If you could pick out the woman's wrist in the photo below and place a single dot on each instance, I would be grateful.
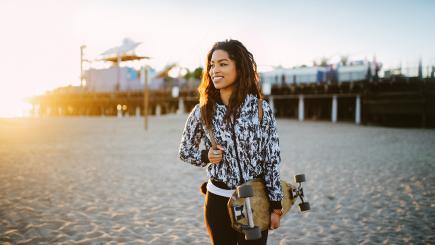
(277, 212)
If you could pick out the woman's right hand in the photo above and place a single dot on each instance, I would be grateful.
(215, 156)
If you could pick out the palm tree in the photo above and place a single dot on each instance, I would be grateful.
(344, 59)
(324, 61)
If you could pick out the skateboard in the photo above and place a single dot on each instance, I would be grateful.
(249, 206)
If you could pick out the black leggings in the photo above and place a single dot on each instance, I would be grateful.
(218, 223)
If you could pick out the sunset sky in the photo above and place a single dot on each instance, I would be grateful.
(41, 40)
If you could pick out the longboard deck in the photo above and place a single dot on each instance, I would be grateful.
(259, 205)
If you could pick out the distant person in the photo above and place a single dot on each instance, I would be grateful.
(229, 94)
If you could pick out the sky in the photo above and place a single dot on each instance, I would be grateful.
(41, 40)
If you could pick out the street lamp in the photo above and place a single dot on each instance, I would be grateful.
(82, 48)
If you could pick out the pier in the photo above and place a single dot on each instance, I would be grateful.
(408, 102)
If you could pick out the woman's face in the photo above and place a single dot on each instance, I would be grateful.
(222, 71)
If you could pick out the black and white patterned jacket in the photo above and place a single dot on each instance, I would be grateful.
(255, 147)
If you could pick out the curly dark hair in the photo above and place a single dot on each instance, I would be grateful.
(247, 81)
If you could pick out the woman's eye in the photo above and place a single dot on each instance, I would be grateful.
(223, 64)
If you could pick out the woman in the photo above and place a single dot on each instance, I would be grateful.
(246, 148)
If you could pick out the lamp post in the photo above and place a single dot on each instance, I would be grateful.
(144, 75)
(82, 47)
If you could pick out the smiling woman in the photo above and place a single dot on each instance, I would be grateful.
(245, 147)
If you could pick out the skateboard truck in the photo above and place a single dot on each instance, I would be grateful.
(299, 192)
(251, 231)
(238, 212)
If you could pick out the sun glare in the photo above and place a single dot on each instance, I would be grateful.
(14, 108)
(13, 101)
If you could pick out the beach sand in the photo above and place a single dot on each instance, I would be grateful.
(108, 181)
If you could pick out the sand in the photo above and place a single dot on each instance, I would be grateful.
(108, 181)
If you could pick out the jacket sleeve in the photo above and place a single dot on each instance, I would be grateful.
(272, 158)
(192, 135)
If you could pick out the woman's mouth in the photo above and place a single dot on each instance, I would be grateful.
(217, 78)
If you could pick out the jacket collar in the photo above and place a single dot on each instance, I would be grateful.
(248, 98)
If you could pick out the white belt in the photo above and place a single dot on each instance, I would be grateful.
(218, 191)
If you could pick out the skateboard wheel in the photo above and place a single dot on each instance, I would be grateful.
(252, 233)
(305, 206)
(300, 178)
(245, 191)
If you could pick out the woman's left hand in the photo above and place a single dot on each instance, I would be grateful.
(274, 221)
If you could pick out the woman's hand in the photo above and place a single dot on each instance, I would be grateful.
(215, 156)
(274, 221)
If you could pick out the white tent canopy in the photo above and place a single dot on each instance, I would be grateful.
(127, 45)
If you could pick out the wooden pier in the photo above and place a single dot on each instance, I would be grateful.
(397, 101)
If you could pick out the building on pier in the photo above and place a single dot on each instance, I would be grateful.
(357, 70)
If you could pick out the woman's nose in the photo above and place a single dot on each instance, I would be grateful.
(214, 71)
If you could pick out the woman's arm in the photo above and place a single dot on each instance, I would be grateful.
(193, 133)
(272, 159)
